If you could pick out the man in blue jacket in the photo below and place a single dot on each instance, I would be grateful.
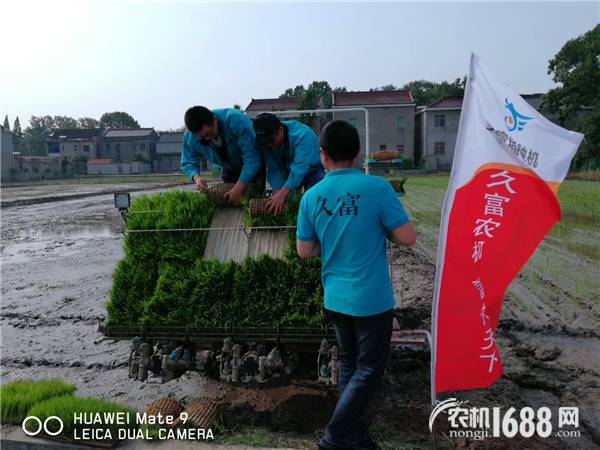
(346, 219)
(291, 153)
(224, 137)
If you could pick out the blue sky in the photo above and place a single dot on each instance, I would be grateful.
(153, 59)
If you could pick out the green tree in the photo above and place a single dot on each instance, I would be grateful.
(6, 124)
(576, 67)
(386, 87)
(118, 119)
(425, 92)
(298, 91)
(65, 122)
(17, 136)
(34, 142)
(310, 95)
(88, 123)
(45, 123)
(17, 128)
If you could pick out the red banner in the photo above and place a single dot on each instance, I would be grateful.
(497, 221)
(509, 161)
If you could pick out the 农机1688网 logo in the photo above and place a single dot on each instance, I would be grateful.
(482, 422)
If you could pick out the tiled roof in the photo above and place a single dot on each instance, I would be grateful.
(447, 102)
(270, 104)
(361, 98)
(168, 138)
(76, 133)
(128, 132)
(96, 162)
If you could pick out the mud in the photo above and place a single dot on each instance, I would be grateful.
(34, 194)
(57, 263)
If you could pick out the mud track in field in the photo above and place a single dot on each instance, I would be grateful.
(57, 263)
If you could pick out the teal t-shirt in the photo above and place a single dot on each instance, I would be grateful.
(350, 214)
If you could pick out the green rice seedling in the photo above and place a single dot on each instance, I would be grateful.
(17, 398)
(305, 297)
(213, 294)
(134, 283)
(261, 290)
(68, 408)
(171, 302)
(163, 280)
(171, 211)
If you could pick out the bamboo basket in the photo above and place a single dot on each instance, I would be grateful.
(258, 208)
(385, 155)
(202, 412)
(164, 406)
(217, 192)
(398, 185)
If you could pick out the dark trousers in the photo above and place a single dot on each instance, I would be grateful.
(364, 344)
(232, 176)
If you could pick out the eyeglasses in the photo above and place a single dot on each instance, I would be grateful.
(205, 136)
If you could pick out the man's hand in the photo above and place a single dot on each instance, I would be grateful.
(277, 202)
(235, 193)
(200, 183)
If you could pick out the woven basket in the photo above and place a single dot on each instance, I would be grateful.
(164, 406)
(201, 413)
(398, 185)
(385, 155)
(258, 208)
(217, 192)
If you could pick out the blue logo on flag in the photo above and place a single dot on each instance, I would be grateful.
(514, 121)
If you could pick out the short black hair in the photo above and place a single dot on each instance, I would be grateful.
(340, 141)
(198, 116)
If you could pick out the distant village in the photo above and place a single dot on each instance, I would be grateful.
(424, 136)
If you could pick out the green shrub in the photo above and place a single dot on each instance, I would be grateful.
(18, 397)
(67, 407)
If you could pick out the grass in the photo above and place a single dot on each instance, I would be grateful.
(580, 204)
(19, 397)
(67, 407)
(384, 433)
(256, 437)
(389, 437)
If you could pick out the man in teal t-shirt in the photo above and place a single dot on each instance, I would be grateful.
(346, 219)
